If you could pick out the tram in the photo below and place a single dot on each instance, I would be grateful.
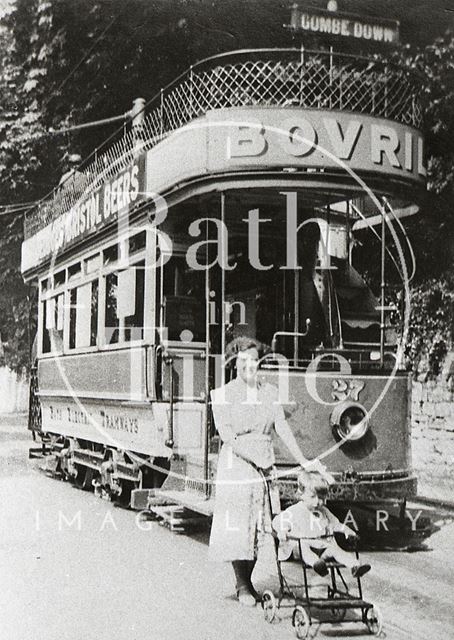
(230, 208)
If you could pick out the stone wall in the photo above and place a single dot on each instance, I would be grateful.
(13, 391)
(433, 432)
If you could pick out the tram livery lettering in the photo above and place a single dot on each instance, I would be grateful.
(78, 416)
(119, 423)
(131, 428)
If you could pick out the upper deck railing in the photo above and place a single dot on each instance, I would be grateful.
(264, 77)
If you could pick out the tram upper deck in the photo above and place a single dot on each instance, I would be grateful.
(333, 124)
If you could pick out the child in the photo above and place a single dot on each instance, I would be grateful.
(314, 525)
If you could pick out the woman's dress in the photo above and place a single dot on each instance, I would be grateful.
(245, 419)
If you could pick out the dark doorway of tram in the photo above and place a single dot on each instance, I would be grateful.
(261, 294)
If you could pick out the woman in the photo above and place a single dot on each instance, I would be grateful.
(245, 412)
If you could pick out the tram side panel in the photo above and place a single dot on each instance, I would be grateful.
(102, 398)
(122, 399)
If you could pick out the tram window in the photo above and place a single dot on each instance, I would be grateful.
(111, 318)
(83, 312)
(134, 321)
(44, 285)
(72, 318)
(137, 242)
(53, 311)
(110, 254)
(59, 278)
(92, 264)
(83, 316)
(184, 300)
(94, 313)
(46, 338)
(74, 271)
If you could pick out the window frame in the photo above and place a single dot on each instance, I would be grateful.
(48, 290)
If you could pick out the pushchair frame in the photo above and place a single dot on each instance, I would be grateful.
(339, 597)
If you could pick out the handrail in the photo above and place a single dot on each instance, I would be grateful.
(292, 334)
(168, 360)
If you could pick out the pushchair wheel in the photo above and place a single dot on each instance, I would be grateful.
(301, 622)
(269, 605)
(374, 620)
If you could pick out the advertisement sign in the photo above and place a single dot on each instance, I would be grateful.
(316, 138)
(92, 211)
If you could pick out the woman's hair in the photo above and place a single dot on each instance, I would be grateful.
(243, 343)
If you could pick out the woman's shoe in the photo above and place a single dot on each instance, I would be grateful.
(245, 597)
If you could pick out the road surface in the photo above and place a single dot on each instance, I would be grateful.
(74, 567)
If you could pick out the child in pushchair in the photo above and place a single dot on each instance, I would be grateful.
(311, 523)
(308, 527)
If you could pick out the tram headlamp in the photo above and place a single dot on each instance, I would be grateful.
(350, 420)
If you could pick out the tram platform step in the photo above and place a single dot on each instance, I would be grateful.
(196, 503)
(38, 452)
(177, 518)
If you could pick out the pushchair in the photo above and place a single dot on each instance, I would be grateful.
(338, 600)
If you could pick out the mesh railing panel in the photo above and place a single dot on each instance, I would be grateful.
(317, 80)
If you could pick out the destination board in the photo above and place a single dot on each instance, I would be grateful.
(344, 25)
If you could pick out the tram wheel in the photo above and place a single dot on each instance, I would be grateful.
(153, 477)
(269, 605)
(374, 620)
(301, 622)
(124, 499)
(84, 477)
